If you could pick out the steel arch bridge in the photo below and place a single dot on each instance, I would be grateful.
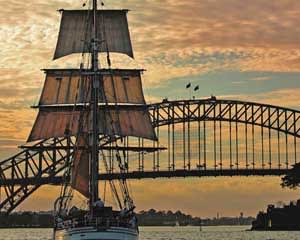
(205, 137)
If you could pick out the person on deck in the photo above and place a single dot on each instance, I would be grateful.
(99, 203)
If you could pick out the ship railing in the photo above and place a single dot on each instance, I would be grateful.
(98, 222)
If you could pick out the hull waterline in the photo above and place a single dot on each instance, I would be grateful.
(91, 233)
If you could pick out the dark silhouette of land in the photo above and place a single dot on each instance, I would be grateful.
(145, 218)
(169, 218)
(285, 218)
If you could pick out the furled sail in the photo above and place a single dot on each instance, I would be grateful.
(76, 28)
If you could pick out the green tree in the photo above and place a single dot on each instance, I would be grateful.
(292, 179)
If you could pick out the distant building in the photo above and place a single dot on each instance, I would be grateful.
(279, 218)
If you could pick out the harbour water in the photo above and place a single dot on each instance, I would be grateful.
(169, 233)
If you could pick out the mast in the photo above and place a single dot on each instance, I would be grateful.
(73, 30)
(94, 156)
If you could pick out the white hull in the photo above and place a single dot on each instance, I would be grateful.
(91, 233)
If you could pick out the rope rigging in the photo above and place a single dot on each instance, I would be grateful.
(66, 193)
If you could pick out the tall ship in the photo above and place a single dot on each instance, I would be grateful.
(95, 110)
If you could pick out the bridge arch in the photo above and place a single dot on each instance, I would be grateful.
(255, 131)
(285, 120)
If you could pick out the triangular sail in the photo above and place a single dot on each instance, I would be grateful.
(76, 30)
(80, 171)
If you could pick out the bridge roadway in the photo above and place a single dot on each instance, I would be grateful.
(179, 173)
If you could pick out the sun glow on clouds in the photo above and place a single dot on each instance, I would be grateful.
(177, 42)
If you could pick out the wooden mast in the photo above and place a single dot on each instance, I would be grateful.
(94, 136)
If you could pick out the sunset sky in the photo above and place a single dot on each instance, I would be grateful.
(234, 49)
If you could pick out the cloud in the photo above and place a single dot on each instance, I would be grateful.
(285, 97)
(162, 34)
(264, 78)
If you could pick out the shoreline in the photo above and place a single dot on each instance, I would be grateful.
(161, 226)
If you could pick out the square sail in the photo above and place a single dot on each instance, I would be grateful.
(76, 29)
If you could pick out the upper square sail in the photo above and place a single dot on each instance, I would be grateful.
(71, 86)
(76, 32)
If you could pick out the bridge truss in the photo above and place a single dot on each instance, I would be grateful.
(207, 137)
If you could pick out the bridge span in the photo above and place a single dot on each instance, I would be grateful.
(196, 138)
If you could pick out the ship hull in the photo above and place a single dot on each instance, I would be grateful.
(91, 233)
